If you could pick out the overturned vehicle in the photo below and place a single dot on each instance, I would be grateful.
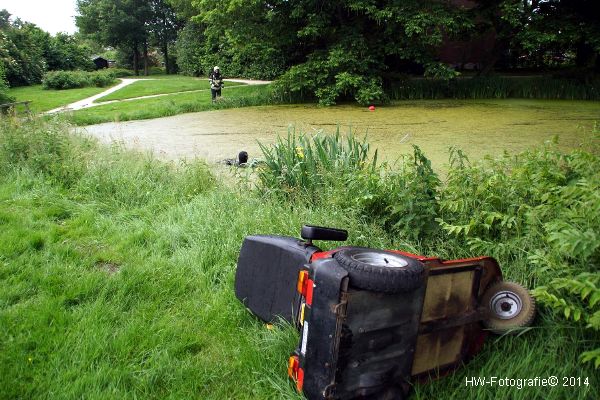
(373, 321)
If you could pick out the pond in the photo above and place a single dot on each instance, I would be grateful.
(479, 127)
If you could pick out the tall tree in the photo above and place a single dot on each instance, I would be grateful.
(117, 23)
(164, 25)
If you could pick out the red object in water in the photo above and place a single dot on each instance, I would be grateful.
(371, 108)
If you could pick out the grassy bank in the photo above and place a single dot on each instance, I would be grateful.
(161, 86)
(116, 278)
(238, 96)
(45, 100)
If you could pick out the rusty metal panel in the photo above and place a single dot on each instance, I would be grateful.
(437, 349)
(448, 295)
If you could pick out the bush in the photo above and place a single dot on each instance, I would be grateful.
(60, 80)
(43, 147)
(4, 97)
(122, 72)
(101, 78)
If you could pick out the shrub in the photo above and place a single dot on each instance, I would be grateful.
(4, 96)
(61, 80)
(101, 78)
(122, 72)
(339, 171)
(65, 80)
(43, 147)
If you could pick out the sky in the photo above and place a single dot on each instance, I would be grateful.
(51, 15)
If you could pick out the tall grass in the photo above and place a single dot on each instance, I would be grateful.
(309, 162)
(494, 88)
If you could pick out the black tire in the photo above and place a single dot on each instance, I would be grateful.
(508, 306)
(381, 271)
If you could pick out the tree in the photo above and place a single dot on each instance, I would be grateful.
(164, 25)
(117, 23)
(65, 52)
(544, 33)
(190, 50)
(22, 47)
(337, 49)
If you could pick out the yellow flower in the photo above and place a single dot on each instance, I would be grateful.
(300, 152)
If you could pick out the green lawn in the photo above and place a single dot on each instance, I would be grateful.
(171, 105)
(170, 84)
(44, 100)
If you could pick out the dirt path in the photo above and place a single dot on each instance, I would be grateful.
(90, 101)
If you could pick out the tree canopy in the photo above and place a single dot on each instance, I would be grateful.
(27, 52)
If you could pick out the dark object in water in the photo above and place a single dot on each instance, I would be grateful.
(241, 161)
(242, 157)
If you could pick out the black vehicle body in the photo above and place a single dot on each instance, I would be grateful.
(359, 336)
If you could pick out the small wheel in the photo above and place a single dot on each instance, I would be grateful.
(380, 271)
(508, 306)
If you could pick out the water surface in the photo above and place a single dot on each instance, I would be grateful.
(479, 127)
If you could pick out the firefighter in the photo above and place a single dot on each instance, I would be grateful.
(216, 83)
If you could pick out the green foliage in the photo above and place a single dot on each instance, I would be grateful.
(495, 88)
(339, 171)
(65, 52)
(307, 164)
(106, 268)
(22, 48)
(331, 78)
(60, 80)
(4, 96)
(41, 147)
(122, 72)
(27, 52)
(189, 51)
(540, 206)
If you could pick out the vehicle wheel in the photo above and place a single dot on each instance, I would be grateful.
(379, 270)
(508, 305)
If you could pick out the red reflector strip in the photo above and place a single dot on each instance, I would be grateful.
(300, 380)
(309, 291)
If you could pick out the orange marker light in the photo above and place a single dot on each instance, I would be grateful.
(293, 364)
(302, 278)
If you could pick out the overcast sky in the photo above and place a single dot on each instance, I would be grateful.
(50, 15)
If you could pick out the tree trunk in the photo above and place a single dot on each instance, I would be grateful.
(146, 70)
(136, 56)
(585, 56)
(166, 55)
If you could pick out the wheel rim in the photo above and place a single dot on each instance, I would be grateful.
(379, 259)
(506, 305)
